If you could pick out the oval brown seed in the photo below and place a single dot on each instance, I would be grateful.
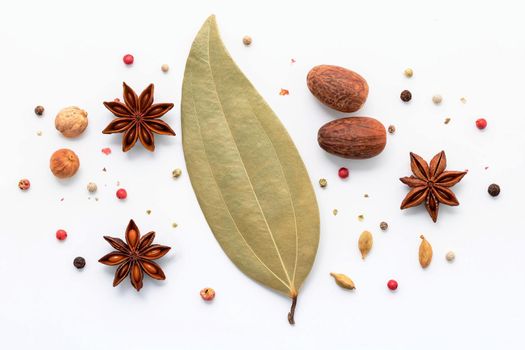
(343, 281)
(365, 243)
(425, 252)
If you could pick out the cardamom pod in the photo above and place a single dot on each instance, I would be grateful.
(343, 281)
(365, 243)
(425, 252)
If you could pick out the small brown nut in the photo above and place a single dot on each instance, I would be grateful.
(353, 137)
(71, 121)
(64, 163)
(337, 87)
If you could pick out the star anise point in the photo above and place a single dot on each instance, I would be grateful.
(135, 256)
(138, 118)
(430, 184)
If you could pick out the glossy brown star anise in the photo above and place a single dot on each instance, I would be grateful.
(138, 118)
(135, 256)
(431, 185)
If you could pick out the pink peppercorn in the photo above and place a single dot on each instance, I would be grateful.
(481, 123)
(207, 294)
(61, 235)
(128, 59)
(24, 184)
(392, 284)
(122, 193)
(343, 173)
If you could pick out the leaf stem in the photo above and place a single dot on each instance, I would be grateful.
(292, 311)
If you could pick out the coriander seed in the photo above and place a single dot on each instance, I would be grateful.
(383, 225)
(405, 96)
(247, 40)
(437, 99)
(391, 129)
(323, 182)
(176, 173)
(92, 187)
(450, 256)
(39, 110)
(409, 72)
(494, 190)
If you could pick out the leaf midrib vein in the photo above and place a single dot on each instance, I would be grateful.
(244, 167)
(222, 198)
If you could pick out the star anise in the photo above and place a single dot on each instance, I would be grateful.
(135, 256)
(138, 118)
(431, 185)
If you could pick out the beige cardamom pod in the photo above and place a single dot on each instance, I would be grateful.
(365, 243)
(425, 252)
(343, 281)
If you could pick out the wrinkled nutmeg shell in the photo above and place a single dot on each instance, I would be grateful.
(353, 137)
(71, 121)
(64, 163)
(337, 87)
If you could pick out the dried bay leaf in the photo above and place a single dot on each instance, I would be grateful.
(249, 178)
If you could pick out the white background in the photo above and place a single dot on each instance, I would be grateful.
(62, 53)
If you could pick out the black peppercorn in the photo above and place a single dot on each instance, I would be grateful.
(406, 96)
(39, 110)
(79, 262)
(494, 190)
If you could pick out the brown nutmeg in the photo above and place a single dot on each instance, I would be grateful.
(64, 163)
(71, 121)
(337, 87)
(353, 137)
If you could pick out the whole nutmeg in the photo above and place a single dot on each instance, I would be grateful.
(64, 163)
(71, 121)
(337, 87)
(353, 137)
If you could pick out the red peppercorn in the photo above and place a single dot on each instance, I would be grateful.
(392, 284)
(122, 193)
(343, 173)
(61, 235)
(207, 294)
(128, 59)
(481, 123)
(24, 184)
